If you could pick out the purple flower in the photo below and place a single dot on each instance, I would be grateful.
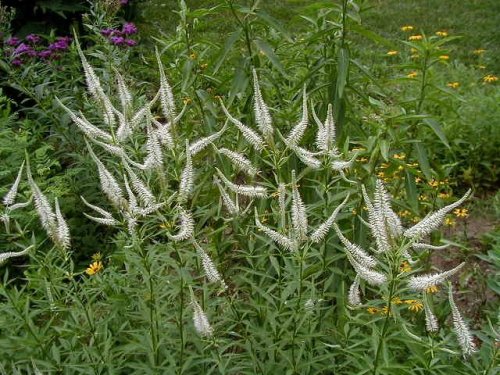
(13, 41)
(123, 2)
(33, 38)
(117, 40)
(129, 28)
(22, 49)
(130, 42)
(45, 54)
(107, 32)
(61, 43)
(17, 62)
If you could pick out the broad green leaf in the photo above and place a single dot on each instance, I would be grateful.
(267, 50)
(423, 160)
(227, 47)
(436, 126)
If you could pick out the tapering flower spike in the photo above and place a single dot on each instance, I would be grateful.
(370, 276)
(247, 190)
(262, 116)
(323, 229)
(231, 206)
(298, 130)
(139, 187)
(240, 161)
(465, 338)
(250, 135)
(325, 137)
(200, 320)
(431, 322)
(186, 226)
(187, 178)
(107, 218)
(166, 95)
(42, 205)
(11, 195)
(202, 143)
(376, 220)
(62, 237)
(211, 271)
(14, 254)
(280, 239)
(422, 282)
(356, 252)
(299, 216)
(123, 93)
(354, 297)
(154, 158)
(432, 221)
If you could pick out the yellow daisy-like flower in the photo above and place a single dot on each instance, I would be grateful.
(407, 28)
(453, 85)
(433, 183)
(432, 289)
(441, 33)
(415, 37)
(423, 198)
(385, 311)
(187, 100)
(404, 213)
(444, 195)
(94, 268)
(412, 75)
(490, 78)
(400, 156)
(392, 53)
(373, 310)
(461, 212)
(444, 57)
(381, 174)
(405, 267)
(450, 222)
(397, 301)
(414, 305)
(362, 160)
(193, 56)
(418, 180)
(479, 51)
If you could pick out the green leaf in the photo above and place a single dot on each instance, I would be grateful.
(411, 190)
(267, 50)
(438, 129)
(343, 71)
(227, 47)
(274, 23)
(423, 160)
(371, 35)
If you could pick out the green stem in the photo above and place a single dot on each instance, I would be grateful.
(385, 326)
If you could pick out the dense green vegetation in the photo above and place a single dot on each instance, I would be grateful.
(248, 187)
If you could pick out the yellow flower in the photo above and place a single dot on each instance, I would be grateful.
(432, 289)
(441, 33)
(380, 174)
(354, 212)
(193, 56)
(404, 213)
(433, 183)
(418, 180)
(444, 57)
(187, 100)
(384, 165)
(397, 301)
(94, 268)
(461, 212)
(401, 156)
(405, 267)
(412, 74)
(444, 195)
(415, 219)
(423, 197)
(362, 160)
(415, 37)
(450, 222)
(203, 66)
(479, 51)
(453, 85)
(392, 53)
(385, 310)
(165, 225)
(490, 78)
(407, 28)
(373, 310)
(414, 305)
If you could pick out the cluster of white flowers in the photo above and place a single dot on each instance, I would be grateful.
(390, 237)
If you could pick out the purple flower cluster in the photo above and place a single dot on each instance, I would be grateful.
(121, 37)
(33, 47)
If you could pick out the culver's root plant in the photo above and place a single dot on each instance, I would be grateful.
(234, 252)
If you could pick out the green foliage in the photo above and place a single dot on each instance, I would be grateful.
(123, 297)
